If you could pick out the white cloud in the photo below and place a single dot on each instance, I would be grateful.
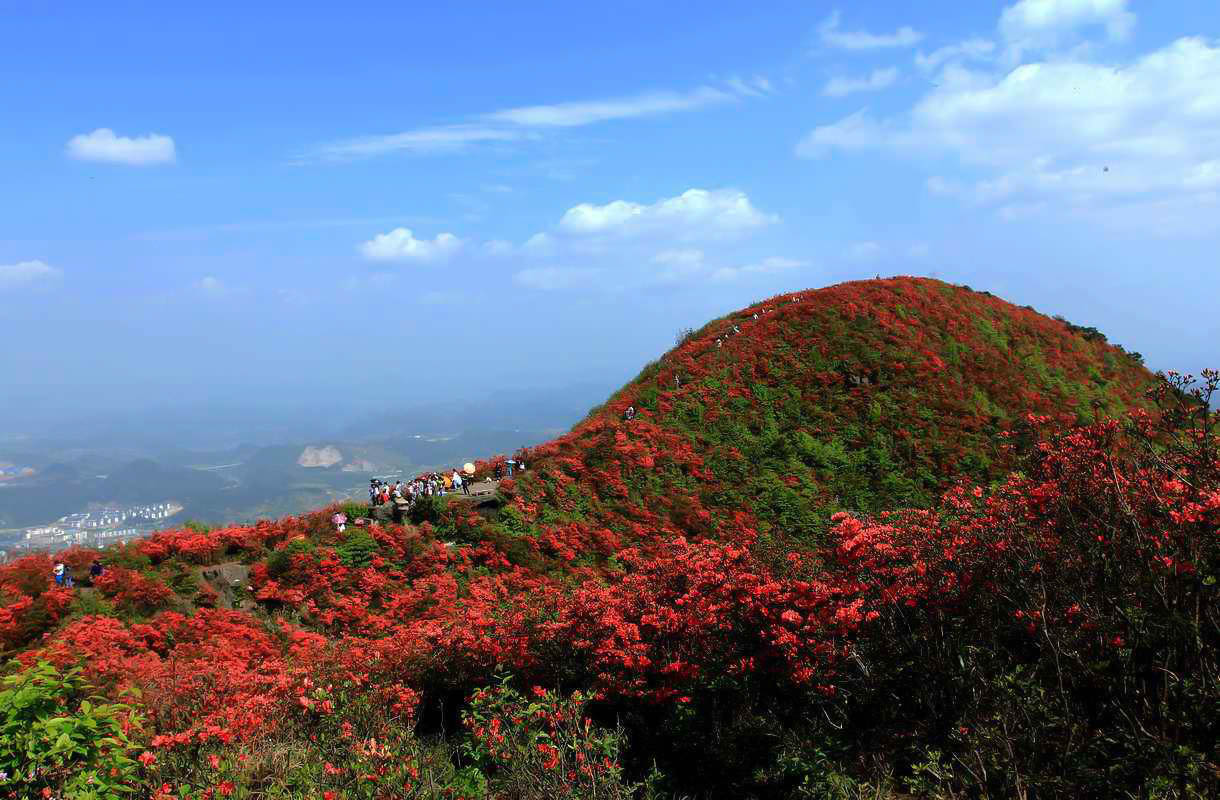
(104, 145)
(400, 244)
(694, 214)
(758, 86)
(25, 274)
(540, 244)
(969, 50)
(862, 40)
(552, 278)
(877, 80)
(444, 139)
(497, 247)
(865, 251)
(1037, 24)
(767, 266)
(625, 244)
(1080, 135)
(857, 131)
(566, 115)
(529, 122)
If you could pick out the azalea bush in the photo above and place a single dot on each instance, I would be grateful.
(337, 743)
(543, 747)
(58, 738)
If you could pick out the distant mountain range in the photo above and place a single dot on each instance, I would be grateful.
(271, 476)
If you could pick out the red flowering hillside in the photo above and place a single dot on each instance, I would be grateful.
(862, 396)
(816, 565)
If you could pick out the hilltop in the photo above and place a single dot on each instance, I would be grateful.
(887, 538)
(860, 397)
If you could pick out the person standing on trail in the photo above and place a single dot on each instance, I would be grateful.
(630, 412)
(340, 520)
(58, 572)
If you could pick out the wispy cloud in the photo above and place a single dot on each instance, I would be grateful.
(877, 80)
(832, 36)
(567, 115)
(970, 49)
(443, 139)
(758, 86)
(25, 274)
(768, 266)
(528, 122)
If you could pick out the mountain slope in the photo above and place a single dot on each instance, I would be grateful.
(862, 396)
(672, 593)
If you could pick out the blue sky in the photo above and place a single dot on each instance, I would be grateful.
(383, 203)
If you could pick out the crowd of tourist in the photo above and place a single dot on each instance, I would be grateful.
(430, 484)
(438, 484)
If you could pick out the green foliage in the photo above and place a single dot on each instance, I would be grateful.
(183, 580)
(426, 508)
(357, 549)
(279, 561)
(128, 556)
(88, 602)
(355, 510)
(544, 747)
(54, 735)
(365, 749)
(197, 526)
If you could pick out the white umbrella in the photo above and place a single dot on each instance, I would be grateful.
(468, 468)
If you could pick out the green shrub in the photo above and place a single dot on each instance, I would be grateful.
(354, 509)
(55, 736)
(544, 747)
(280, 561)
(426, 508)
(357, 549)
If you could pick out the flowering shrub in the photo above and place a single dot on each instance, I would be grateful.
(544, 747)
(132, 591)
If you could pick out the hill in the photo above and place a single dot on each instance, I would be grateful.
(862, 397)
(887, 539)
